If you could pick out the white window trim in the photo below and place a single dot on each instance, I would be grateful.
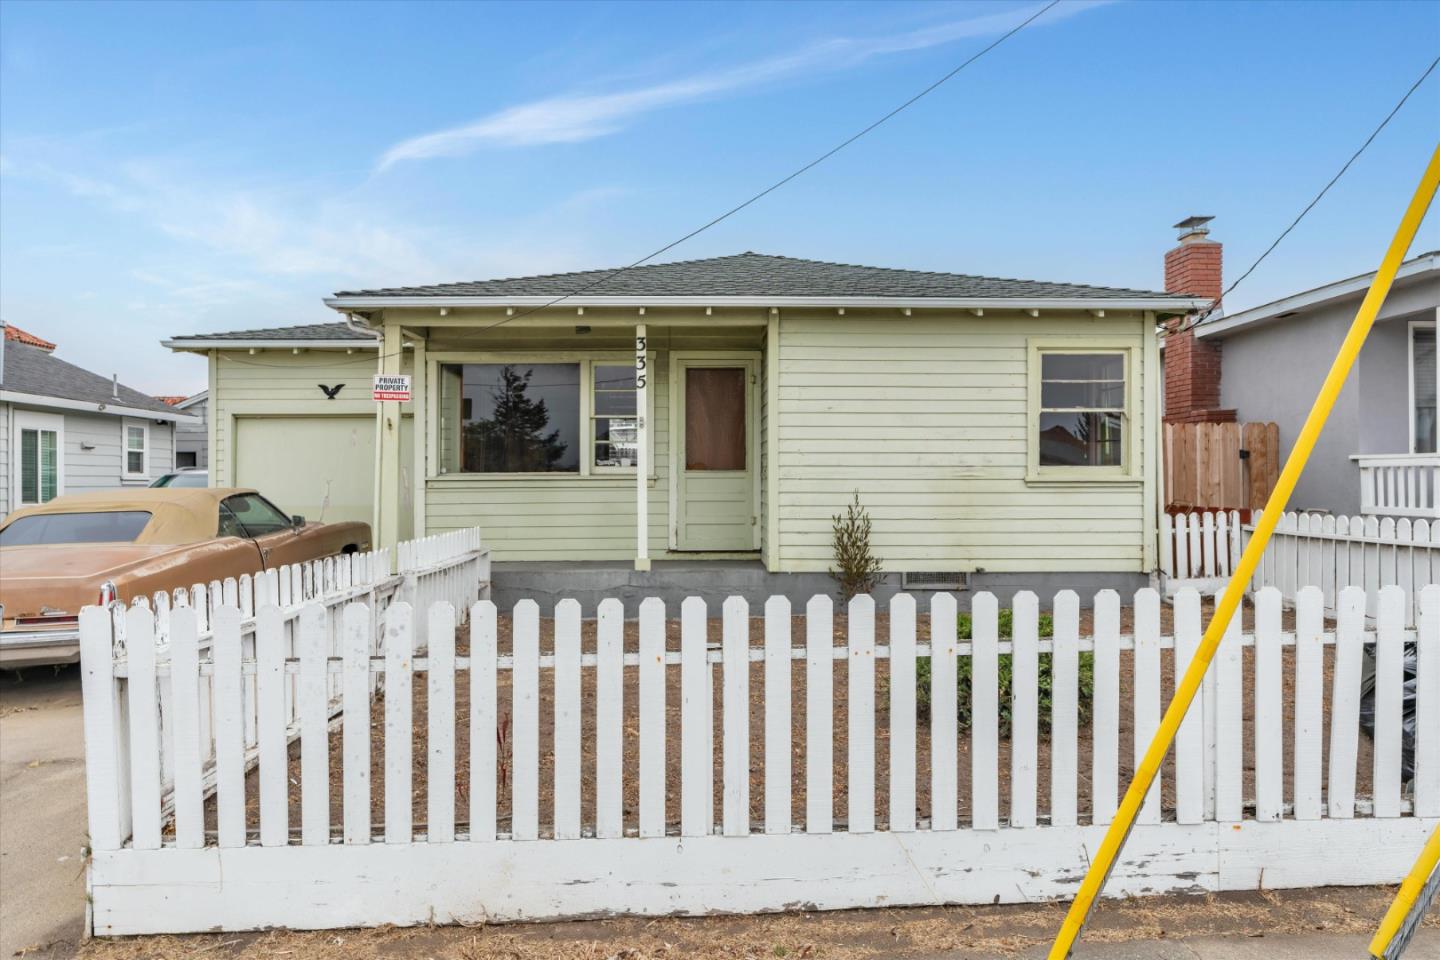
(1130, 469)
(125, 472)
(587, 360)
(1410, 374)
(28, 420)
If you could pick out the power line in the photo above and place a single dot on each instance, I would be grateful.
(1311, 205)
(784, 180)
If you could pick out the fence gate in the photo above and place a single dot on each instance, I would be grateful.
(1220, 466)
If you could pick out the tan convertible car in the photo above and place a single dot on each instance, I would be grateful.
(119, 544)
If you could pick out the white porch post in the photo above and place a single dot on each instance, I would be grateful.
(642, 453)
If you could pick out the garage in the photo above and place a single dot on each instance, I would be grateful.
(322, 468)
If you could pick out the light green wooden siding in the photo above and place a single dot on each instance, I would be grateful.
(927, 418)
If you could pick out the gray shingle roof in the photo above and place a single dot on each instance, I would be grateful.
(34, 371)
(311, 331)
(760, 275)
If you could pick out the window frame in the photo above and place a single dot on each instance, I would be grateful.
(1132, 423)
(21, 420)
(126, 423)
(1410, 380)
(588, 360)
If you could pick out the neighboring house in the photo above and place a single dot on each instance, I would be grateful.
(67, 430)
(1001, 428)
(1377, 454)
(271, 426)
(192, 439)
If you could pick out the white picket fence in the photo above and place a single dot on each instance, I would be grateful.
(451, 567)
(1370, 552)
(1199, 550)
(634, 830)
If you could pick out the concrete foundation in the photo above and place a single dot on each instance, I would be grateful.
(672, 581)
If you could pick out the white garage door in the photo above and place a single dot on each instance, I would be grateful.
(322, 468)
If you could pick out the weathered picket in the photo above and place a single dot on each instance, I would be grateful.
(517, 851)
(1369, 552)
(1199, 550)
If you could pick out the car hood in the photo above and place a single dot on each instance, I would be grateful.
(66, 576)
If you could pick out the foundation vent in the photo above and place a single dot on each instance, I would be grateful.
(931, 580)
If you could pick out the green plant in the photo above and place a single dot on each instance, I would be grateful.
(963, 680)
(856, 568)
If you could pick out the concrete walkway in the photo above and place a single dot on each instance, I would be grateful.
(42, 811)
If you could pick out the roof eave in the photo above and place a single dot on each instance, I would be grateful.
(202, 344)
(116, 409)
(345, 304)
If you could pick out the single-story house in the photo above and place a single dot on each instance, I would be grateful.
(625, 425)
(67, 430)
(1377, 454)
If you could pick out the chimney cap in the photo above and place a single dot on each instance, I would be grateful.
(1193, 225)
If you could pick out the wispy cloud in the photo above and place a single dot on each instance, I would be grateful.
(573, 118)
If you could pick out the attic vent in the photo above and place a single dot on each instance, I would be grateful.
(935, 580)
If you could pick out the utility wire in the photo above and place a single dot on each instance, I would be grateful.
(784, 180)
(1311, 205)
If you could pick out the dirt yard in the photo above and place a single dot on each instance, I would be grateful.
(757, 787)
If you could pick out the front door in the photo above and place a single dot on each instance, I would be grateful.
(715, 453)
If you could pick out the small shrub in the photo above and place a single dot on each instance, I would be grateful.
(856, 568)
(1005, 622)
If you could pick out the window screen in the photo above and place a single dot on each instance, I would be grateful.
(1082, 409)
(1423, 359)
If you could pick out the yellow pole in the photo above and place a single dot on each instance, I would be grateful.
(1119, 829)
(1405, 898)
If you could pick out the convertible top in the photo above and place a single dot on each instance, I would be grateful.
(177, 514)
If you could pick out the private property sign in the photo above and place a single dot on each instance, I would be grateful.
(392, 386)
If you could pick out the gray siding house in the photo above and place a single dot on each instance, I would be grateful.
(1377, 454)
(65, 430)
(192, 442)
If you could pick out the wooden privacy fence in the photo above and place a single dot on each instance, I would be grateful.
(1221, 466)
(819, 805)
(1370, 552)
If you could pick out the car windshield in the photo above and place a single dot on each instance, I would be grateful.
(49, 528)
(187, 478)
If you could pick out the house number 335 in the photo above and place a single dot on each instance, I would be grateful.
(641, 376)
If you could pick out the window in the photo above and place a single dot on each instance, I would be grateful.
(184, 459)
(1081, 410)
(49, 528)
(256, 515)
(229, 526)
(512, 417)
(137, 439)
(1422, 387)
(614, 429)
(39, 440)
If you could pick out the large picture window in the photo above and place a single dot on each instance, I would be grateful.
(1082, 409)
(1422, 387)
(514, 417)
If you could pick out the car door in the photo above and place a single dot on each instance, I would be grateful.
(279, 540)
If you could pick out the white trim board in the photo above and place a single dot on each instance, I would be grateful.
(109, 409)
(1161, 302)
(371, 884)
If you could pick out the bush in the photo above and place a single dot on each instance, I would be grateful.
(856, 569)
(963, 678)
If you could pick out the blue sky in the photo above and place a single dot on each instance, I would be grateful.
(171, 168)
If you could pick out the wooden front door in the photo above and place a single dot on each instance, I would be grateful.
(716, 455)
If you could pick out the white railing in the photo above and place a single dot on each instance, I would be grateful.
(1199, 549)
(526, 829)
(452, 568)
(1400, 485)
(1331, 552)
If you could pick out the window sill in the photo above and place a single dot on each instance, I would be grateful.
(626, 479)
(1070, 479)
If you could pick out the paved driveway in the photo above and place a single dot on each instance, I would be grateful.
(42, 812)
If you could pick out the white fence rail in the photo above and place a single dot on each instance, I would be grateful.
(583, 778)
(1199, 548)
(1402, 485)
(1369, 552)
(451, 567)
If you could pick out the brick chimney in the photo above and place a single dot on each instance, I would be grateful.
(1192, 367)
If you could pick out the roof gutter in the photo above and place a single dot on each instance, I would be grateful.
(199, 344)
(347, 304)
(89, 406)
